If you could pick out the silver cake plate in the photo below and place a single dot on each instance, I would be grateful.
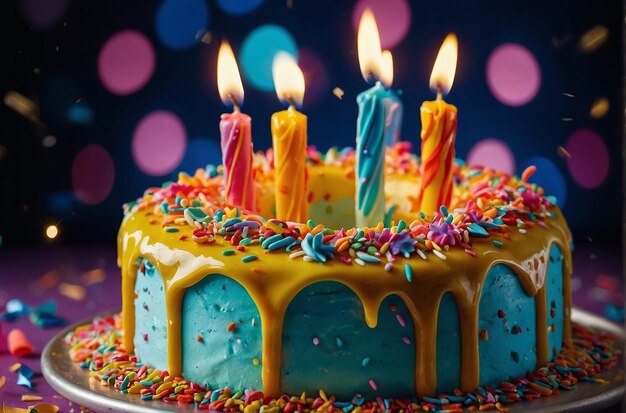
(72, 382)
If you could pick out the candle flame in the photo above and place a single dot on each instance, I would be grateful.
(228, 78)
(386, 68)
(444, 68)
(288, 79)
(368, 44)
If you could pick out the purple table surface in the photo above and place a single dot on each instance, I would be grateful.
(596, 282)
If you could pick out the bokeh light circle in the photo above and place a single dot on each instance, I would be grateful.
(549, 177)
(238, 7)
(315, 77)
(126, 62)
(93, 174)
(200, 152)
(43, 14)
(258, 51)
(513, 74)
(178, 22)
(492, 153)
(589, 161)
(159, 142)
(393, 18)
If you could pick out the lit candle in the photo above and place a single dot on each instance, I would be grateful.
(438, 133)
(393, 104)
(236, 135)
(370, 129)
(289, 139)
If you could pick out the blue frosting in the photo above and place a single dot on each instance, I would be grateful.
(393, 122)
(554, 283)
(326, 342)
(448, 344)
(508, 316)
(349, 353)
(150, 316)
(222, 358)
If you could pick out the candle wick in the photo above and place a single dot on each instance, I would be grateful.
(235, 103)
(439, 92)
(371, 77)
(292, 104)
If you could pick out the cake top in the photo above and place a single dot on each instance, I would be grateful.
(486, 205)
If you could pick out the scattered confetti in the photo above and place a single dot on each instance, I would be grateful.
(93, 277)
(18, 343)
(562, 152)
(599, 108)
(22, 105)
(3, 380)
(73, 291)
(44, 408)
(337, 91)
(11, 409)
(48, 280)
(30, 398)
(44, 316)
(593, 38)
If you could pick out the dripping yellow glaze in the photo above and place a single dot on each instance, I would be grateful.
(277, 280)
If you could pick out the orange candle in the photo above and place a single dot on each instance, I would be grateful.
(439, 121)
(289, 139)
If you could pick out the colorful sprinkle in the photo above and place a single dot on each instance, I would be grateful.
(408, 273)
(249, 258)
(373, 384)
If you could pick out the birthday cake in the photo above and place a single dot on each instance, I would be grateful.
(474, 294)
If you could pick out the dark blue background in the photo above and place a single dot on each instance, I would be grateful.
(36, 182)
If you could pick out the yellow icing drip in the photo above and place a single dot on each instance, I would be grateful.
(277, 280)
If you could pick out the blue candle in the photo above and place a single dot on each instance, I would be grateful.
(370, 156)
(393, 120)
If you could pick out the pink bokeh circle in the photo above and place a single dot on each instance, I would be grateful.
(93, 174)
(126, 62)
(589, 161)
(513, 74)
(159, 143)
(492, 153)
(393, 18)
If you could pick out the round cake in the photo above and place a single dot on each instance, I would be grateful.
(425, 303)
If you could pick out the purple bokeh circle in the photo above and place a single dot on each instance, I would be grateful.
(43, 14)
(93, 174)
(315, 77)
(513, 74)
(159, 143)
(393, 18)
(126, 62)
(589, 161)
(492, 153)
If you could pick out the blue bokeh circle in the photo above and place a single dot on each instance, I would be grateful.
(200, 152)
(238, 7)
(180, 24)
(258, 51)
